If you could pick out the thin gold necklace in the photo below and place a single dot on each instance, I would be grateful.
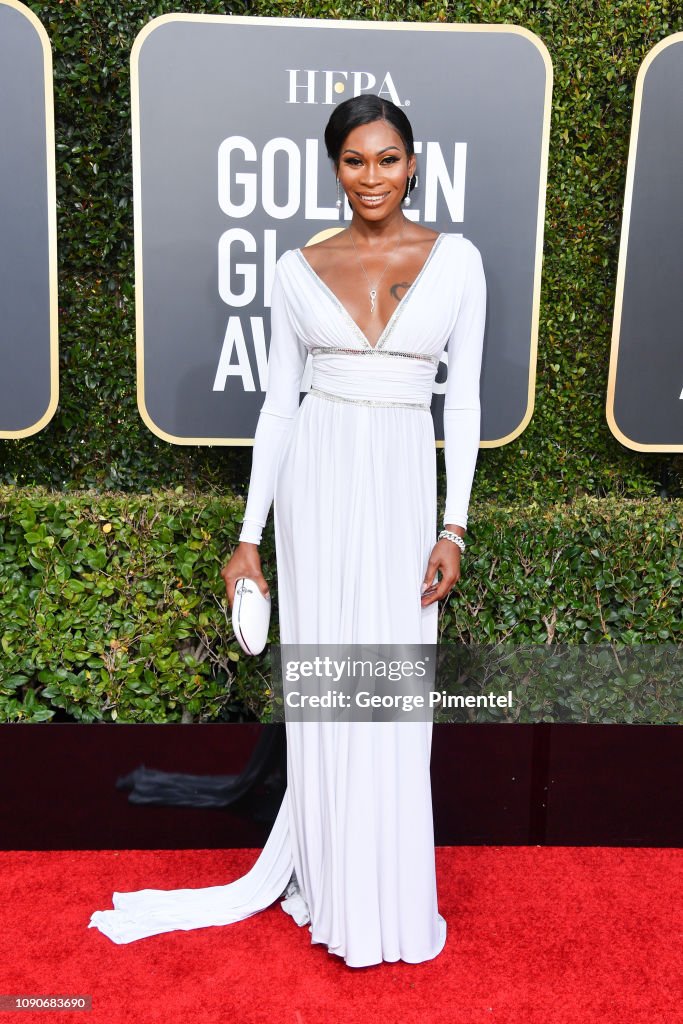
(373, 288)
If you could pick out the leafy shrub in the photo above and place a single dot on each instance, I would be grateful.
(112, 610)
(112, 606)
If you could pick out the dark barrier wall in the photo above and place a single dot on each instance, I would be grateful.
(563, 785)
(28, 256)
(230, 171)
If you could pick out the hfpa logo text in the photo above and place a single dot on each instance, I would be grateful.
(329, 87)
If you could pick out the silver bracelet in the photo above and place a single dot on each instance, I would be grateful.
(456, 538)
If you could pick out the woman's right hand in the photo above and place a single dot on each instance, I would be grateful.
(245, 561)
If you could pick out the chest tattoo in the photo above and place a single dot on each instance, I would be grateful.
(399, 289)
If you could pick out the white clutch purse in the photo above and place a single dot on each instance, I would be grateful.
(250, 616)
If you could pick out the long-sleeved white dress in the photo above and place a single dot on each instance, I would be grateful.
(352, 471)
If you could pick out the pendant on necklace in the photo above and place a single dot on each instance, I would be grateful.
(373, 296)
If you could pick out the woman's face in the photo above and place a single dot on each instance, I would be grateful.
(373, 170)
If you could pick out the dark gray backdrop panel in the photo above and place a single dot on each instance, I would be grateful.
(25, 340)
(648, 382)
(203, 80)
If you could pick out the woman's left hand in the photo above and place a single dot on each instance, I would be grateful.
(445, 558)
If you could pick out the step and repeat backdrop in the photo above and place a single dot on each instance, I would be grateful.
(645, 390)
(28, 249)
(230, 171)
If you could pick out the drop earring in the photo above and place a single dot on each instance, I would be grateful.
(339, 196)
(412, 183)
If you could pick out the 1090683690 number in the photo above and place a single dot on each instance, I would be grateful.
(44, 1002)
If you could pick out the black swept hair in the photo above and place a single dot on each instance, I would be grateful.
(360, 110)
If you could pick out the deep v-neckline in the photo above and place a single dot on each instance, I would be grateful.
(388, 327)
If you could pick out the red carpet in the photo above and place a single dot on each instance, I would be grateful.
(537, 935)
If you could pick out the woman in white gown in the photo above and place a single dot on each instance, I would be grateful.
(352, 471)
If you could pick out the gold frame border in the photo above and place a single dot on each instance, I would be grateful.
(51, 222)
(331, 24)
(663, 44)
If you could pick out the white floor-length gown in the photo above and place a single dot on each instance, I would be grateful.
(352, 471)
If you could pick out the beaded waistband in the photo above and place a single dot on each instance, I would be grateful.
(332, 350)
(422, 406)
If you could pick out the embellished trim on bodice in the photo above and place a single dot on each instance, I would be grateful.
(330, 350)
(380, 402)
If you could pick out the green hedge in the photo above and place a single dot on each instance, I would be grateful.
(97, 439)
(112, 606)
(128, 621)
